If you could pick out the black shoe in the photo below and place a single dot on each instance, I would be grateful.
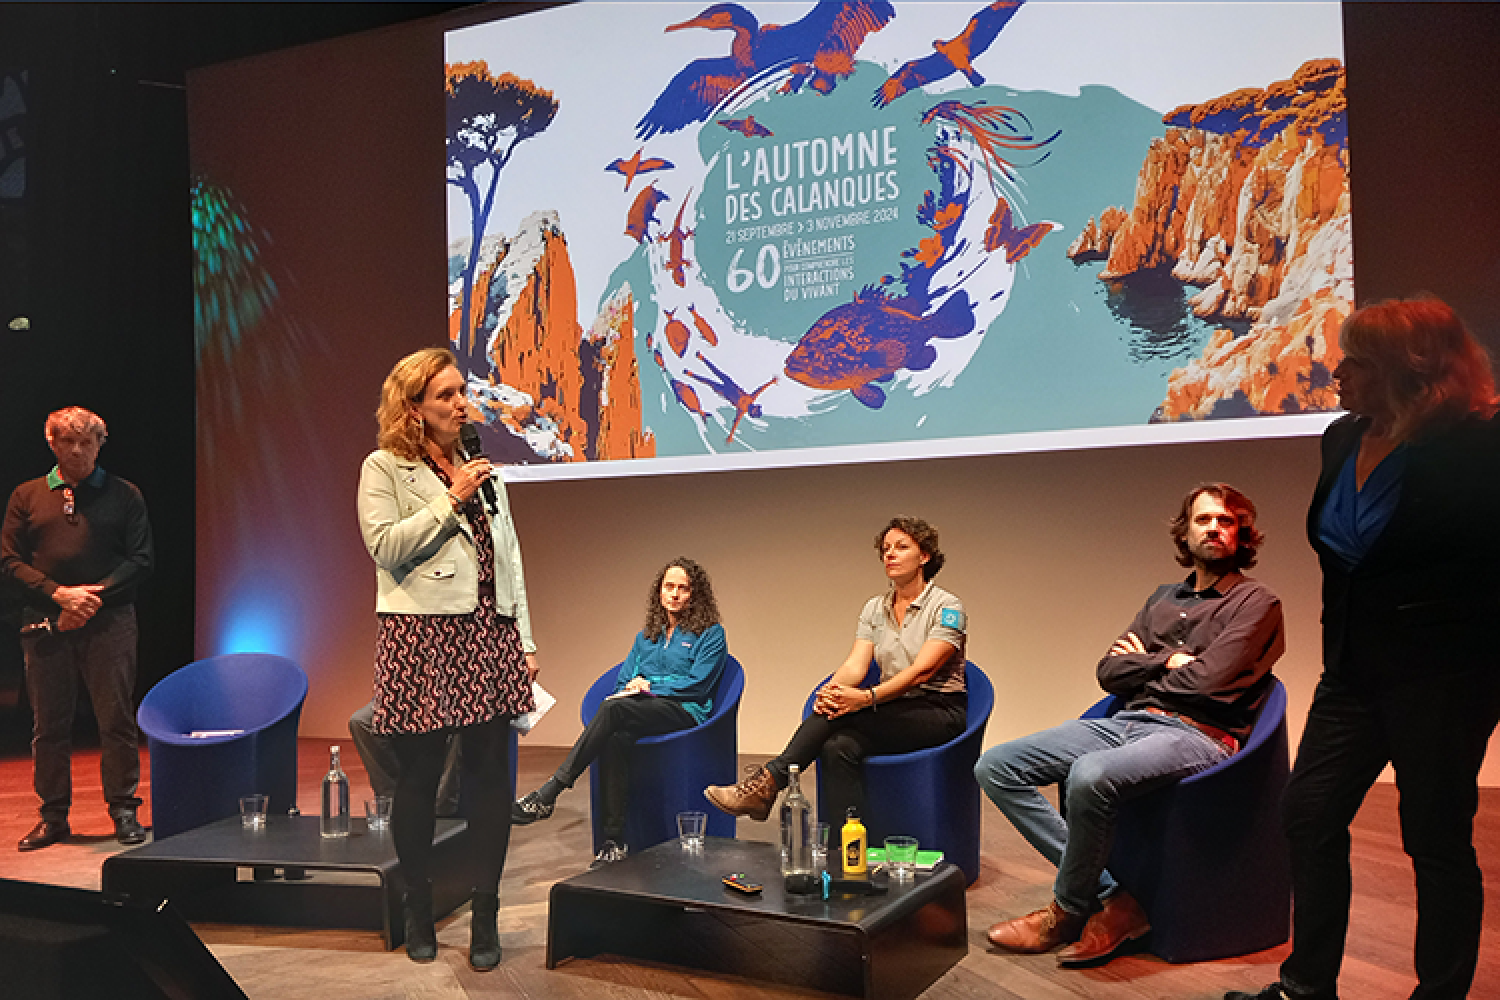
(421, 934)
(1276, 991)
(127, 830)
(529, 808)
(45, 834)
(609, 854)
(484, 937)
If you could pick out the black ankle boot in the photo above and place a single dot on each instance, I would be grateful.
(484, 937)
(421, 935)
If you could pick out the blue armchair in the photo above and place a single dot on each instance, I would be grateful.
(669, 772)
(1206, 857)
(928, 794)
(196, 780)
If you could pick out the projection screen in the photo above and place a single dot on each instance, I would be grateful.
(770, 234)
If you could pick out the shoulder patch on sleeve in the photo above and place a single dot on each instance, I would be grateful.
(952, 618)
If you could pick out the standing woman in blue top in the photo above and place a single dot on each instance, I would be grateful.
(1404, 523)
(454, 653)
(666, 683)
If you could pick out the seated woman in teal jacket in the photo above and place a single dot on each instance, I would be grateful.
(666, 683)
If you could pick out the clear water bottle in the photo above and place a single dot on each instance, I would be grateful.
(796, 837)
(335, 798)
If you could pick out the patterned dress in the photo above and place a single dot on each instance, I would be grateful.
(448, 671)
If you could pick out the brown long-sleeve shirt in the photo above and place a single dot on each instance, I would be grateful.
(1234, 637)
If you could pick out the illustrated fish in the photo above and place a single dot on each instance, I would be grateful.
(635, 165)
(688, 397)
(746, 126)
(1017, 242)
(871, 338)
(643, 212)
(703, 328)
(676, 261)
(677, 333)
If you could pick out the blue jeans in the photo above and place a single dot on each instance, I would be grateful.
(1104, 762)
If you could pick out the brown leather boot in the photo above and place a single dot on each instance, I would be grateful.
(1119, 923)
(1038, 931)
(753, 796)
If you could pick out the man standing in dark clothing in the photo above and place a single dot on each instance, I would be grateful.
(77, 543)
(1193, 670)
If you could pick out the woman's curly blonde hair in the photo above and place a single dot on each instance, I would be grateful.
(400, 428)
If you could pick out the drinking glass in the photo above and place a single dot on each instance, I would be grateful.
(253, 811)
(378, 814)
(690, 826)
(901, 853)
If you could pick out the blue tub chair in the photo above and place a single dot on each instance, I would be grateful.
(928, 794)
(1206, 857)
(669, 772)
(196, 780)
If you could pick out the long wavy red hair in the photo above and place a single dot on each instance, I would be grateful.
(1428, 368)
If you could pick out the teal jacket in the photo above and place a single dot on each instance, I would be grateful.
(680, 665)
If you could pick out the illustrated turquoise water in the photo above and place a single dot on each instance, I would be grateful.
(1069, 351)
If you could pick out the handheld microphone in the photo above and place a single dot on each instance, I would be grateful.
(468, 436)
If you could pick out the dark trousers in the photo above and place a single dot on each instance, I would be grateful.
(608, 740)
(841, 745)
(1434, 733)
(102, 656)
(379, 757)
(486, 780)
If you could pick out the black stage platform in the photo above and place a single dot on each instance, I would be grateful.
(287, 874)
(668, 905)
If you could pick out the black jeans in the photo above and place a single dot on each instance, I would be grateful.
(1434, 732)
(101, 654)
(378, 755)
(608, 739)
(841, 745)
(486, 781)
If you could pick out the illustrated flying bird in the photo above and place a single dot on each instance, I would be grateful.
(636, 165)
(819, 48)
(747, 127)
(956, 55)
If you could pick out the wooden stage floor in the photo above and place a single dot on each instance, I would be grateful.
(276, 964)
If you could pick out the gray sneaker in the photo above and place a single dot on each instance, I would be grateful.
(609, 854)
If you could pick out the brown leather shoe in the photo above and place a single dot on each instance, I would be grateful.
(1119, 923)
(752, 797)
(1038, 931)
(45, 834)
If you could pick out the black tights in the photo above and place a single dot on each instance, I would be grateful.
(841, 745)
(607, 742)
(487, 794)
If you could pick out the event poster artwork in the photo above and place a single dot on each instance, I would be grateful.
(768, 234)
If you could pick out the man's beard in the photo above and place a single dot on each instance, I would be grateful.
(1222, 566)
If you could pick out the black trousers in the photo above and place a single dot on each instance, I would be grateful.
(841, 745)
(101, 655)
(1434, 733)
(486, 780)
(379, 757)
(608, 739)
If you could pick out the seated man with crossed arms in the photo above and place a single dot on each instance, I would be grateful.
(1193, 670)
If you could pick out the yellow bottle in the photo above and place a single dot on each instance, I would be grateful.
(853, 841)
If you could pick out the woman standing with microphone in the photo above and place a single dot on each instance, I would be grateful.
(454, 652)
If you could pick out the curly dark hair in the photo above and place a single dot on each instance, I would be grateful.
(926, 537)
(1250, 539)
(701, 611)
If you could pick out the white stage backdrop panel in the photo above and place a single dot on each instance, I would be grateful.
(774, 234)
